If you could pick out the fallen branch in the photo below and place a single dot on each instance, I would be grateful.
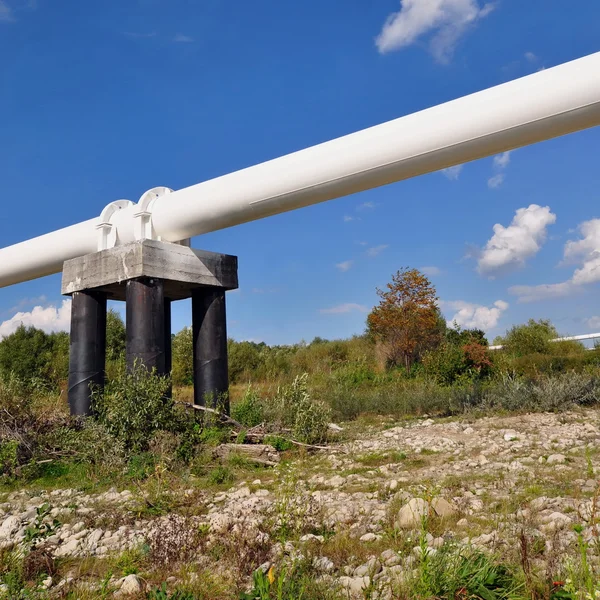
(212, 411)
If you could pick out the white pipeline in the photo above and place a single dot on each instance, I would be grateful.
(538, 107)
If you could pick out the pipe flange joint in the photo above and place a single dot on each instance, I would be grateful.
(143, 228)
(107, 231)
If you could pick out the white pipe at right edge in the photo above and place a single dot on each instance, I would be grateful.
(544, 105)
(541, 106)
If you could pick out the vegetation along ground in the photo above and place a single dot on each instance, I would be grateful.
(407, 463)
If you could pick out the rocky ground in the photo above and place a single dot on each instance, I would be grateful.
(361, 512)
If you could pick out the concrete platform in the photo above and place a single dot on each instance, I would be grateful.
(182, 269)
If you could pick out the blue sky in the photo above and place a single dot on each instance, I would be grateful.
(104, 100)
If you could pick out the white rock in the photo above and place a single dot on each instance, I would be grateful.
(68, 548)
(443, 508)
(411, 515)
(130, 585)
(510, 436)
(9, 527)
(355, 585)
(370, 537)
(323, 564)
(556, 459)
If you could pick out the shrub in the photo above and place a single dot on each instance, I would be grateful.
(134, 406)
(532, 337)
(249, 411)
(294, 408)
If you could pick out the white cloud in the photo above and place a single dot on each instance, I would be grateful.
(6, 14)
(48, 319)
(531, 57)
(445, 20)
(375, 250)
(340, 309)
(431, 271)
(344, 266)
(586, 251)
(510, 246)
(593, 322)
(533, 293)
(476, 316)
(501, 160)
(366, 206)
(495, 181)
(183, 39)
(452, 173)
(348, 218)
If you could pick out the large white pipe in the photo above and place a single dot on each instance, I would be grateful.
(541, 106)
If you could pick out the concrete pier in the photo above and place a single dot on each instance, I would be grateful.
(149, 275)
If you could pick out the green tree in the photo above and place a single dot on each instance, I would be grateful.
(183, 357)
(531, 338)
(29, 353)
(115, 336)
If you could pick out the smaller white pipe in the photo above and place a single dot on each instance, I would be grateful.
(571, 338)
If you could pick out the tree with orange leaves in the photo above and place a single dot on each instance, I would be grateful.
(407, 321)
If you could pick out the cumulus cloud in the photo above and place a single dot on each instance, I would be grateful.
(593, 322)
(501, 161)
(476, 316)
(49, 319)
(495, 181)
(431, 271)
(341, 309)
(452, 173)
(6, 13)
(511, 246)
(444, 21)
(183, 39)
(531, 57)
(366, 206)
(585, 252)
(375, 250)
(534, 293)
(344, 266)
(348, 218)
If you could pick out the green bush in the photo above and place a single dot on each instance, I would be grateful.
(295, 409)
(249, 411)
(134, 406)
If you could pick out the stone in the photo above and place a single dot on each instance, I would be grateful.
(68, 548)
(443, 508)
(411, 515)
(390, 558)
(323, 564)
(510, 436)
(355, 585)
(556, 459)
(130, 585)
(9, 527)
(369, 537)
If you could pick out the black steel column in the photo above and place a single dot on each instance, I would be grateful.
(87, 351)
(145, 324)
(168, 339)
(211, 379)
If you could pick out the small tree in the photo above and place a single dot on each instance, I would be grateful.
(407, 321)
(115, 336)
(530, 338)
(183, 357)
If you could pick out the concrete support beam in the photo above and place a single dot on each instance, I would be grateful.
(145, 324)
(149, 275)
(211, 378)
(87, 353)
(181, 268)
